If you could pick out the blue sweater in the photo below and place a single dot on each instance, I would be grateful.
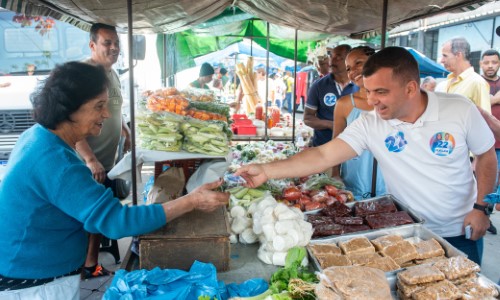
(48, 199)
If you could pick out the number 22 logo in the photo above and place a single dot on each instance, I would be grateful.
(330, 99)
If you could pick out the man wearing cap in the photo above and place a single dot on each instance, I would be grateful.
(206, 75)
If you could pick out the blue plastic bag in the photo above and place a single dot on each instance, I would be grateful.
(200, 280)
(147, 188)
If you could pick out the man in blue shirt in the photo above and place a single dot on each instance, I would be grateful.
(323, 94)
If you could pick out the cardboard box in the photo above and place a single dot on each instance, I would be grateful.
(194, 236)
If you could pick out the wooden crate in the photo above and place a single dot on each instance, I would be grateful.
(194, 236)
(188, 165)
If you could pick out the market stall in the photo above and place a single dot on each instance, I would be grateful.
(280, 217)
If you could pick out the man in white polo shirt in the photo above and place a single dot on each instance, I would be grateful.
(421, 141)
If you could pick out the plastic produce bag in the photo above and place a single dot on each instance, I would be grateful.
(200, 282)
(208, 171)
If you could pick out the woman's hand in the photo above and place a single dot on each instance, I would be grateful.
(205, 199)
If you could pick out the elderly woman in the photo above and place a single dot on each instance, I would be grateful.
(48, 198)
(357, 172)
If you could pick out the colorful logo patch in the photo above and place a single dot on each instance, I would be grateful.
(396, 142)
(442, 144)
(330, 99)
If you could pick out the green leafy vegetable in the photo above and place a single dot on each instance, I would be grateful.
(293, 281)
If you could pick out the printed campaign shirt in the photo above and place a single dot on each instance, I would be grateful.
(426, 164)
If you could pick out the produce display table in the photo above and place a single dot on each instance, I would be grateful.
(253, 138)
(123, 168)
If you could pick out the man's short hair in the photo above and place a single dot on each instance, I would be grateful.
(490, 52)
(403, 64)
(95, 29)
(460, 44)
(428, 79)
(345, 47)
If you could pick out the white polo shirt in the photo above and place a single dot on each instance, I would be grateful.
(426, 164)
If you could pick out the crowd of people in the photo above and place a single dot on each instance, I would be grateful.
(433, 143)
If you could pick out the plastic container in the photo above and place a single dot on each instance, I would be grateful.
(246, 130)
(259, 112)
(239, 117)
(275, 115)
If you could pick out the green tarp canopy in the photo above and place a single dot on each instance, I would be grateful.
(228, 28)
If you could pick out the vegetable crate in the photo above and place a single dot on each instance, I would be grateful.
(188, 165)
(195, 236)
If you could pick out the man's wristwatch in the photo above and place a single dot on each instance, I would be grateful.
(487, 209)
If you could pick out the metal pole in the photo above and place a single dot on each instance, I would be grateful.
(493, 32)
(164, 63)
(294, 83)
(132, 101)
(384, 24)
(266, 106)
(382, 46)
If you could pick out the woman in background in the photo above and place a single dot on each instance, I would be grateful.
(357, 172)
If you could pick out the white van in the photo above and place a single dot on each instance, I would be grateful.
(22, 44)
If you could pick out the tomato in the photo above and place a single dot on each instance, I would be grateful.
(348, 195)
(313, 205)
(304, 198)
(342, 198)
(292, 193)
(322, 196)
(331, 190)
(331, 200)
(315, 192)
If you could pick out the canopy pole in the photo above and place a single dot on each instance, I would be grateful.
(384, 23)
(164, 62)
(294, 82)
(132, 101)
(266, 106)
(382, 46)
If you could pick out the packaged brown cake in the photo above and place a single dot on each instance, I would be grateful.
(439, 290)
(428, 249)
(327, 229)
(382, 242)
(337, 209)
(477, 288)
(331, 260)
(429, 260)
(358, 244)
(385, 264)
(354, 228)
(366, 208)
(353, 282)
(317, 219)
(318, 249)
(348, 220)
(362, 258)
(407, 290)
(420, 274)
(456, 267)
(401, 252)
(384, 220)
